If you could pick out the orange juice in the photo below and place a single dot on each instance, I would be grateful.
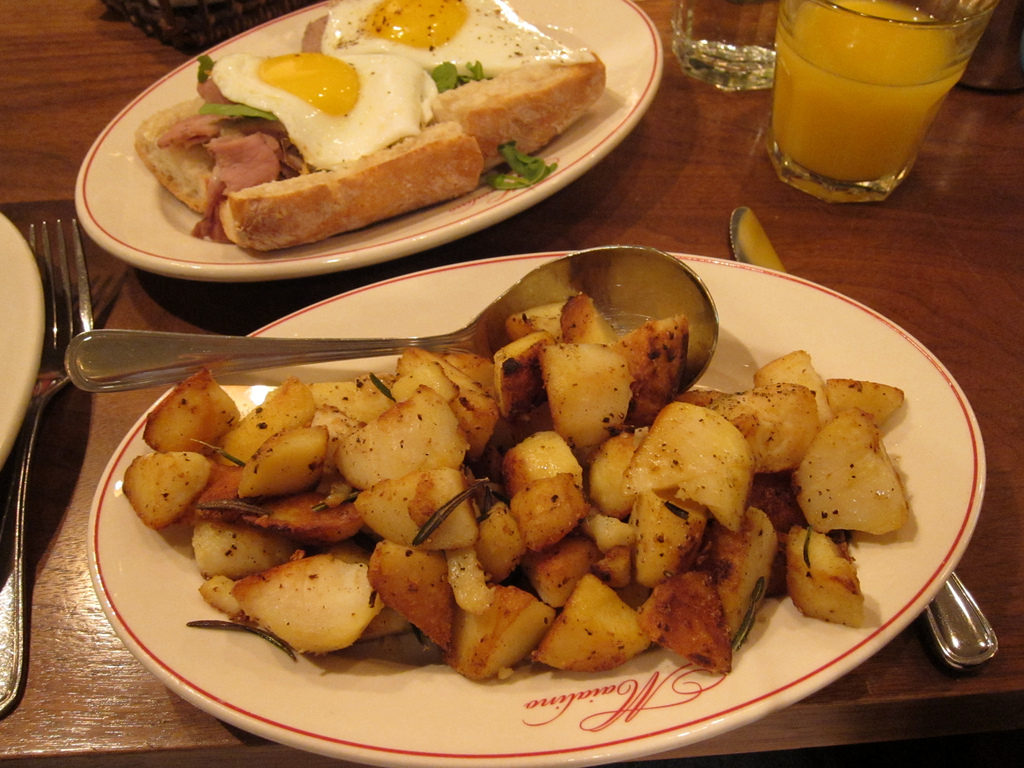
(854, 94)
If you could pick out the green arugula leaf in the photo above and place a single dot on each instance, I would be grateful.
(205, 67)
(526, 169)
(446, 75)
(235, 110)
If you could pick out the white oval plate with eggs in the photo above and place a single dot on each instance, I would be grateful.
(129, 214)
(383, 712)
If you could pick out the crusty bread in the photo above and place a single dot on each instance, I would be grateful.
(529, 105)
(184, 171)
(439, 164)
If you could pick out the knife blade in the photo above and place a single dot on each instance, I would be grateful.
(750, 243)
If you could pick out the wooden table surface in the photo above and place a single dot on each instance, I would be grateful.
(943, 257)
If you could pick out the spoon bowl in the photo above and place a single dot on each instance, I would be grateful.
(629, 285)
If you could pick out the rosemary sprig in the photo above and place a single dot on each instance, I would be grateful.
(442, 512)
(380, 385)
(233, 505)
(748, 621)
(270, 637)
(221, 452)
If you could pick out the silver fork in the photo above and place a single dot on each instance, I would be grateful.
(68, 312)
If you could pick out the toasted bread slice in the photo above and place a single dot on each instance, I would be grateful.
(439, 164)
(184, 171)
(529, 105)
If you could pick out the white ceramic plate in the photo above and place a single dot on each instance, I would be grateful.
(387, 713)
(21, 322)
(128, 213)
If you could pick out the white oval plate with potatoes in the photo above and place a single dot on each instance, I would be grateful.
(388, 712)
(126, 211)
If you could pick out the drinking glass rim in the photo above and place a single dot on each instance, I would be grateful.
(977, 8)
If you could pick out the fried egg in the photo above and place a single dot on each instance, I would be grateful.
(432, 32)
(334, 109)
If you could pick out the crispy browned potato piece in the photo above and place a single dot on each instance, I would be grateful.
(581, 322)
(596, 631)
(491, 643)
(161, 487)
(315, 604)
(684, 614)
(553, 572)
(195, 412)
(822, 578)
(740, 563)
(415, 583)
(655, 353)
(548, 508)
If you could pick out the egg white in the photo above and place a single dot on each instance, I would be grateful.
(493, 35)
(395, 97)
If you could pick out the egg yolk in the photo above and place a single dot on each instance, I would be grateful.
(329, 84)
(418, 23)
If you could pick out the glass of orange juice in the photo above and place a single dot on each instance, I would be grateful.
(857, 83)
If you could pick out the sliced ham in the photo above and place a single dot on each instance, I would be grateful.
(240, 161)
(195, 129)
(245, 161)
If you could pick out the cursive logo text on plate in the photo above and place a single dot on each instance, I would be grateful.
(624, 700)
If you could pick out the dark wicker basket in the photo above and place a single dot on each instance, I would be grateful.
(192, 25)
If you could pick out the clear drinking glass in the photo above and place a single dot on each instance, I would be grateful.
(728, 43)
(857, 84)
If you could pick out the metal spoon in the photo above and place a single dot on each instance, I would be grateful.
(630, 284)
(959, 631)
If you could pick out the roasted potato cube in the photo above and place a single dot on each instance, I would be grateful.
(553, 572)
(415, 583)
(397, 509)
(695, 454)
(470, 401)
(517, 379)
(161, 487)
(419, 433)
(288, 462)
(360, 400)
(779, 421)
(191, 417)
(588, 389)
(500, 545)
(216, 591)
(547, 509)
(581, 322)
(684, 614)
(740, 563)
(668, 536)
(289, 405)
(542, 454)
(796, 368)
(821, 578)
(479, 369)
(615, 568)
(237, 550)
(607, 476)
(387, 623)
(469, 580)
(655, 353)
(491, 643)
(544, 317)
(879, 400)
(423, 374)
(608, 532)
(847, 479)
(316, 604)
(595, 631)
(307, 518)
